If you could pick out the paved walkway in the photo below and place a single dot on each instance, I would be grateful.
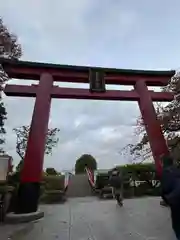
(91, 219)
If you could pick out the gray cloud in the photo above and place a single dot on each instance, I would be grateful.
(123, 34)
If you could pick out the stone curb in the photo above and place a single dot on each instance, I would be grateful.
(23, 218)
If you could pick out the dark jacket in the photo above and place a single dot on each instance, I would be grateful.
(170, 183)
(115, 180)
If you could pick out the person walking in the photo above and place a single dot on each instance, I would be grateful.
(170, 183)
(116, 182)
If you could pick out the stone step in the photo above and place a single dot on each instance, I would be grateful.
(79, 186)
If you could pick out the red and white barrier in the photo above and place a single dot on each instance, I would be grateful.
(90, 174)
(66, 181)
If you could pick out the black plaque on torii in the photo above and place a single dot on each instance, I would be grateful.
(97, 80)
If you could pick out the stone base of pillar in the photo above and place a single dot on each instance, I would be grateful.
(13, 218)
(27, 198)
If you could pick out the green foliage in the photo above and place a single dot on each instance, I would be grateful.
(9, 48)
(53, 182)
(138, 180)
(102, 179)
(52, 189)
(51, 171)
(22, 134)
(140, 172)
(86, 160)
(138, 168)
(14, 178)
(19, 166)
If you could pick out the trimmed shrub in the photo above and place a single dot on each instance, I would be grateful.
(52, 189)
(53, 182)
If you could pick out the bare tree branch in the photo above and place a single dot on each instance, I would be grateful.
(22, 134)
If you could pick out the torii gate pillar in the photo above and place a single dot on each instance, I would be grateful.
(29, 189)
(156, 139)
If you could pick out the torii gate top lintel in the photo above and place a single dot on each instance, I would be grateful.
(80, 74)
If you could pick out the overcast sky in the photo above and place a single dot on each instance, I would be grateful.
(110, 33)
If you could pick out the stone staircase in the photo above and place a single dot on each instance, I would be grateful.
(79, 186)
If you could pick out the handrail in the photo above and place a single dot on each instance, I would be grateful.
(90, 175)
(66, 181)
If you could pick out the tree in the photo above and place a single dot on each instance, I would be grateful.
(11, 49)
(9, 46)
(51, 171)
(86, 160)
(22, 134)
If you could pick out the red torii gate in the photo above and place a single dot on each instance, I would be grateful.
(46, 74)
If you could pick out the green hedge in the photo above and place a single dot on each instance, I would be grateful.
(53, 182)
(144, 189)
(52, 189)
(102, 180)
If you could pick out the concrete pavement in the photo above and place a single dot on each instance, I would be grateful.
(91, 219)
